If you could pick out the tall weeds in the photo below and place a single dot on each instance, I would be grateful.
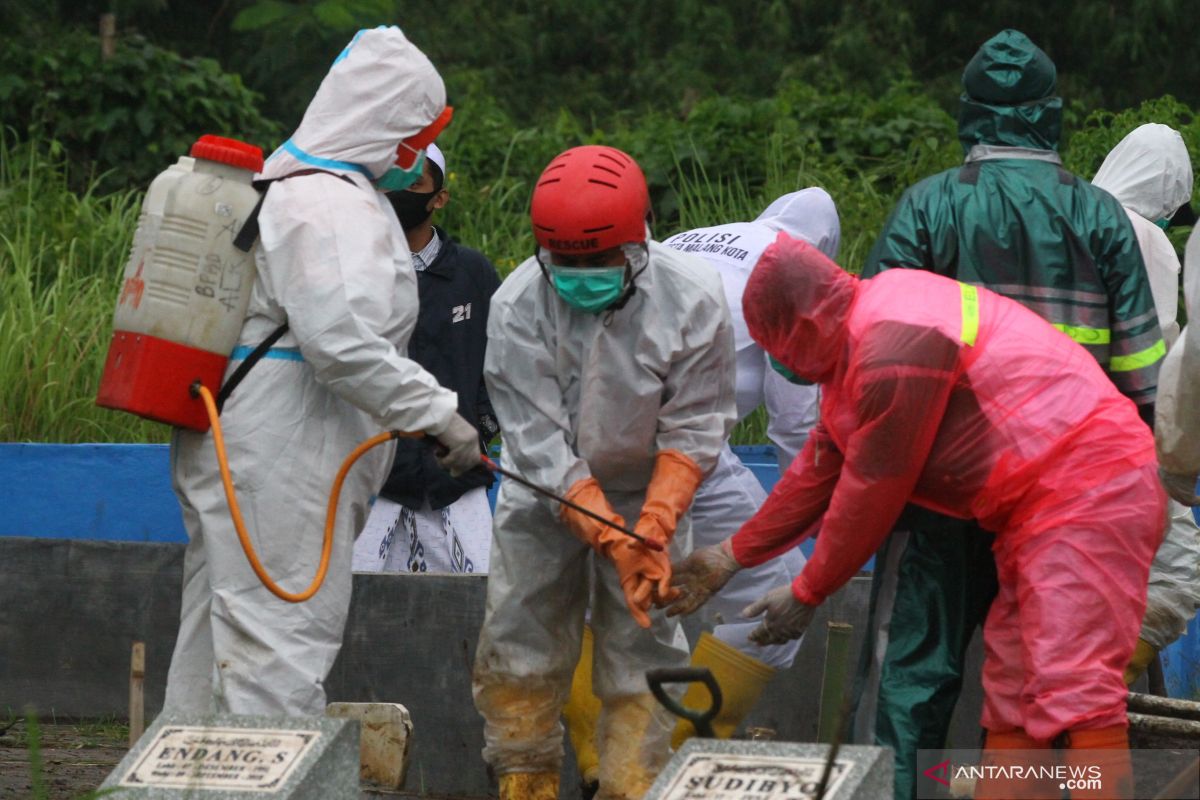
(61, 257)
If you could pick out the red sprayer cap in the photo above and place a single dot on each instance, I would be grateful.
(228, 151)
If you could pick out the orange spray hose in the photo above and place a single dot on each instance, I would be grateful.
(331, 515)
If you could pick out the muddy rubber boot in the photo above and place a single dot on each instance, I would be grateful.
(581, 714)
(522, 734)
(529, 786)
(634, 741)
(1143, 654)
(742, 679)
(998, 751)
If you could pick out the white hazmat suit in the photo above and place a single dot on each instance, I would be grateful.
(1150, 173)
(333, 263)
(1177, 414)
(581, 394)
(731, 494)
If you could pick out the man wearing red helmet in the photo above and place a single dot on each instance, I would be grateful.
(610, 365)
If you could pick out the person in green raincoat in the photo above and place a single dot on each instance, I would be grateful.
(1012, 219)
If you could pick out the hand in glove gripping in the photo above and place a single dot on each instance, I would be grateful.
(460, 441)
(786, 617)
(1181, 488)
(637, 567)
(701, 575)
(645, 575)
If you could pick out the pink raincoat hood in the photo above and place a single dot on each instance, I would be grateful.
(797, 303)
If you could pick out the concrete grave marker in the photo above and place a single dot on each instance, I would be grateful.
(215, 757)
(712, 769)
(385, 739)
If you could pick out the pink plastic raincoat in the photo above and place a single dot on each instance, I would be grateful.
(954, 398)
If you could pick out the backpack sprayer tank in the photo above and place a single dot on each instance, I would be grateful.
(186, 286)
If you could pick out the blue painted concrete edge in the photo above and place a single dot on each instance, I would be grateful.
(112, 492)
(122, 492)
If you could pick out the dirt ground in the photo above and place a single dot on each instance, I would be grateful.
(76, 757)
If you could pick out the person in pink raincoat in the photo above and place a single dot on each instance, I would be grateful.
(952, 397)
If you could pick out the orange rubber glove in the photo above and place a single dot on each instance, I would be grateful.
(668, 497)
(645, 574)
(637, 568)
(587, 493)
(641, 571)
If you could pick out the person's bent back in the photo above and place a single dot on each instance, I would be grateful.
(946, 393)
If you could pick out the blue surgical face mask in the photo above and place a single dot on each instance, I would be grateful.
(590, 289)
(787, 373)
(397, 179)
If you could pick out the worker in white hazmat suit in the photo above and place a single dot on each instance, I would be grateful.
(332, 263)
(731, 494)
(1177, 414)
(610, 367)
(1150, 173)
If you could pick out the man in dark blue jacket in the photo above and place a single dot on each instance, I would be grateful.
(425, 520)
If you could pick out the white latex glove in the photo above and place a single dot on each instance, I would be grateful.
(1181, 488)
(700, 576)
(787, 618)
(461, 443)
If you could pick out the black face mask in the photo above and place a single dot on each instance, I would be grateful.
(411, 207)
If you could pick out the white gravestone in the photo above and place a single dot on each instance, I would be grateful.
(224, 756)
(711, 769)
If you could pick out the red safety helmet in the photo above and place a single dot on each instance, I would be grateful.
(590, 199)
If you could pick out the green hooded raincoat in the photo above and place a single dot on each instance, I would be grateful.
(1012, 219)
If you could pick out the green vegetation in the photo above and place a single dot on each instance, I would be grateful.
(103, 731)
(61, 257)
(725, 105)
(126, 115)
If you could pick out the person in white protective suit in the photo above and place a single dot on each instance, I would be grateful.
(333, 264)
(610, 365)
(1150, 173)
(1177, 413)
(731, 494)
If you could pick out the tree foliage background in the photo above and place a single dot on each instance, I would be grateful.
(604, 62)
